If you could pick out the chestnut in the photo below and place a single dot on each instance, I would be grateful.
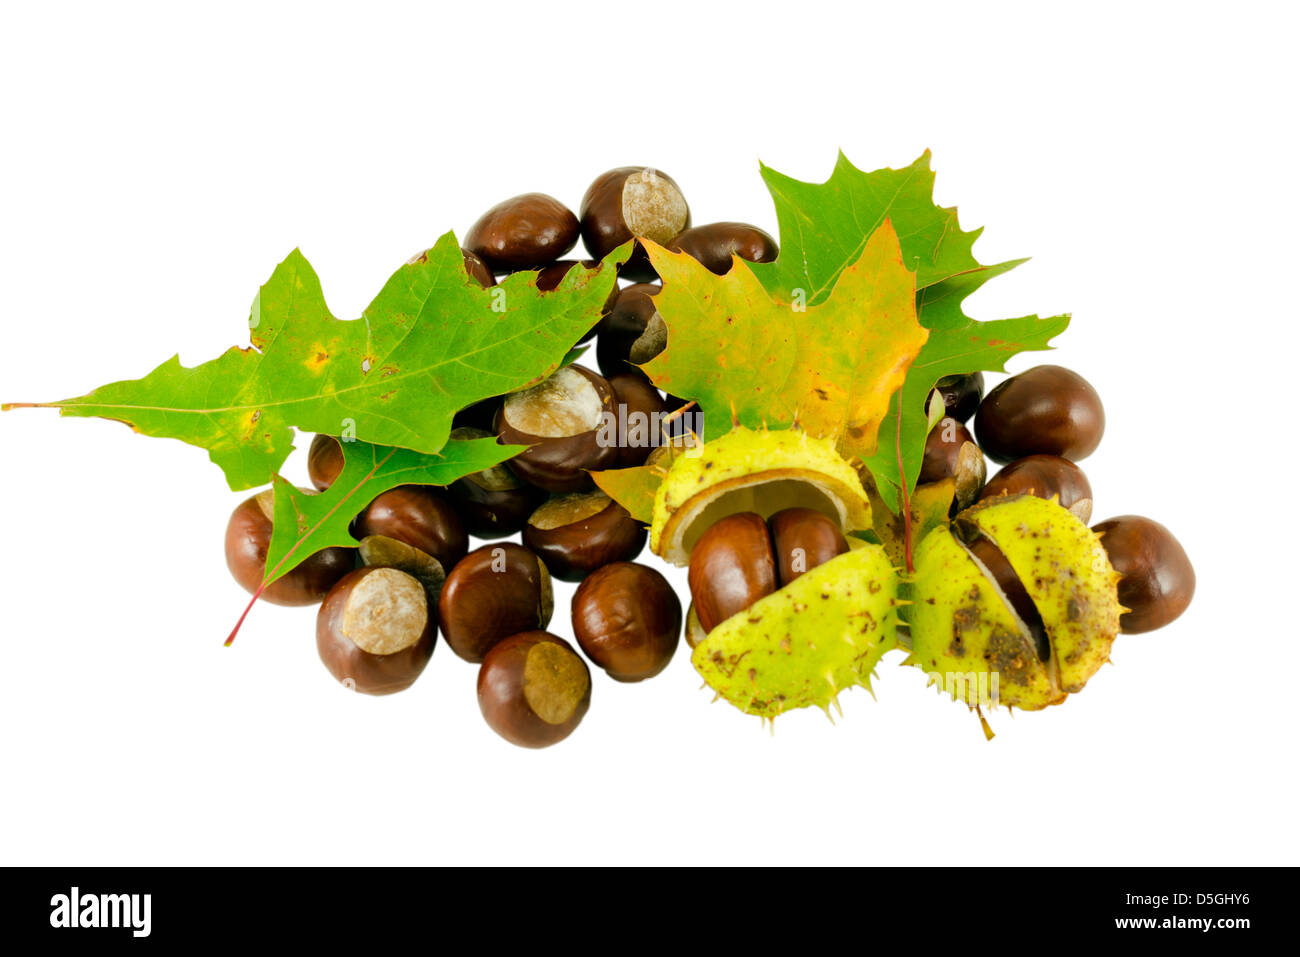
(961, 394)
(495, 502)
(732, 566)
(378, 551)
(1044, 476)
(1157, 581)
(1047, 409)
(419, 516)
(523, 232)
(627, 202)
(951, 452)
(640, 412)
(476, 268)
(480, 415)
(622, 328)
(324, 461)
(802, 539)
(375, 630)
(561, 418)
(713, 245)
(628, 620)
(576, 534)
(534, 689)
(248, 535)
(494, 592)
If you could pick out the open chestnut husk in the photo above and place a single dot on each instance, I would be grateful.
(1044, 476)
(420, 516)
(713, 245)
(1047, 410)
(1157, 579)
(375, 630)
(248, 535)
(628, 620)
(627, 202)
(495, 502)
(523, 232)
(534, 689)
(576, 534)
(495, 591)
(561, 420)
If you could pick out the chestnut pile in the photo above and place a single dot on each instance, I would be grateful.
(413, 573)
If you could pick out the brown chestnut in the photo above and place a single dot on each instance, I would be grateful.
(802, 539)
(632, 201)
(639, 414)
(1157, 581)
(534, 689)
(493, 503)
(628, 620)
(1046, 410)
(1044, 476)
(621, 330)
(732, 566)
(324, 461)
(523, 232)
(714, 245)
(494, 592)
(961, 394)
(375, 630)
(248, 535)
(951, 452)
(476, 268)
(576, 534)
(480, 415)
(420, 516)
(562, 419)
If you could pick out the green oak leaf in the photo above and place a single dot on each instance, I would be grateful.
(307, 521)
(432, 342)
(824, 226)
(951, 349)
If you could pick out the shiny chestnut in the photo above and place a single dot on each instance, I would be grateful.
(495, 502)
(628, 620)
(494, 592)
(951, 452)
(623, 328)
(1157, 579)
(713, 245)
(523, 232)
(375, 630)
(632, 201)
(1044, 476)
(802, 539)
(324, 461)
(961, 394)
(561, 419)
(534, 689)
(732, 566)
(420, 516)
(639, 415)
(577, 533)
(1047, 410)
(248, 535)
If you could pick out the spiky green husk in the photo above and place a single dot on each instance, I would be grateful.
(742, 467)
(962, 626)
(802, 645)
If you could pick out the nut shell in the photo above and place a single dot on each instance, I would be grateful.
(534, 689)
(494, 592)
(628, 620)
(524, 232)
(384, 604)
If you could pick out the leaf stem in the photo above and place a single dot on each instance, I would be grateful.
(902, 486)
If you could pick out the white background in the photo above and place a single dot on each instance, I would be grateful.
(158, 162)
